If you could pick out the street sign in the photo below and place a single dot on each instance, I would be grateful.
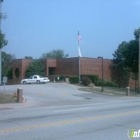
(4, 79)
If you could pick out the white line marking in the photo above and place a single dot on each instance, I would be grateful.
(73, 109)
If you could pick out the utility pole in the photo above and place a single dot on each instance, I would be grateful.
(139, 67)
(102, 89)
(1, 17)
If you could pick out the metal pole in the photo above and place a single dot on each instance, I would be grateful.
(79, 71)
(0, 30)
(79, 65)
(102, 90)
(139, 68)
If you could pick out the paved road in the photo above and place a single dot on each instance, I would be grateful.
(96, 121)
(80, 116)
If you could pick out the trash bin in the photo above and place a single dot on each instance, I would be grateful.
(127, 91)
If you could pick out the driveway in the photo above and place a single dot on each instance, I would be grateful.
(53, 94)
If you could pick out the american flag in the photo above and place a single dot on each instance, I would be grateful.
(79, 51)
(79, 37)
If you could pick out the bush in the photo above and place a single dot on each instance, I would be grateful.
(61, 78)
(86, 81)
(74, 79)
(98, 83)
(105, 83)
(113, 84)
(93, 78)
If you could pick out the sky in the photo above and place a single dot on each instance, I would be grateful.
(34, 27)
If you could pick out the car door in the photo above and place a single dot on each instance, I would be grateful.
(34, 79)
(30, 79)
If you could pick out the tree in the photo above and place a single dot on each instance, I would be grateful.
(131, 53)
(137, 33)
(7, 58)
(125, 61)
(120, 72)
(36, 67)
(54, 54)
(3, 41)
(131, 56)
(7, 70)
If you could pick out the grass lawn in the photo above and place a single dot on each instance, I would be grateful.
(110, 90)
(7, 98)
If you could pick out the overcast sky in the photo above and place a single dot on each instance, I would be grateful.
(34, 27)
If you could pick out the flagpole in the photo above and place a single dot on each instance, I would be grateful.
(79, 52)
(79, 65)
(139, 67)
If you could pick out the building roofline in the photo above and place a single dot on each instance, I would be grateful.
(65, 58)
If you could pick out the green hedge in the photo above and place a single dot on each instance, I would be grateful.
(86, 81)
(93, 78)
(105, 83)
(74, 79)
(98, 82)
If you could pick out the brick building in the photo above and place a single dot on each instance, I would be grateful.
(67, 67)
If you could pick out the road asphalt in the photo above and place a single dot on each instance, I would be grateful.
(59, 111)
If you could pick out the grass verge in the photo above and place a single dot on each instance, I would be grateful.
(7, 98)
(109, 90)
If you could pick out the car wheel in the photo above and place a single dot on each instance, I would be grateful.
(38, 82)
(24, 82)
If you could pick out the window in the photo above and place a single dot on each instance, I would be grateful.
(30, 77)
(17, 72)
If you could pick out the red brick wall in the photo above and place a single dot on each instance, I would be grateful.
(133, 84)
(21, 64)
(93, 66)
(68, 66)
(49, 63)
(25, 64)
(17, 64)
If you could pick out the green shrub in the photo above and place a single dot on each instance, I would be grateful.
(93, 78)
(98, 83)
(61, 78)
(74, 79)
(8, 72)
(105, 83)
(86, 81)
(113, 84)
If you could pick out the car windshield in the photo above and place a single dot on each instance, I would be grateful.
(40, 76)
